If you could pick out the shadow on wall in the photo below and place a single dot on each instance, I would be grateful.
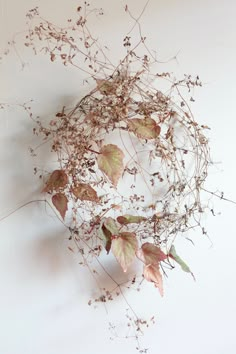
(48, 255)
(20, 183)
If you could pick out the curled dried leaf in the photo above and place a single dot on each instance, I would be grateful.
(107, 235)
(107, 230)
(52, 57)
(183, 265)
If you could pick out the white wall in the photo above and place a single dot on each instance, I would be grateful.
(44, 292)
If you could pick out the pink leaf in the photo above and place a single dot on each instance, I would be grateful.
(151, 254)
(146, 128)
(58, 179)
(110, 161)
(152, 273)
(84, 191)
(60, 202)
(124, 247)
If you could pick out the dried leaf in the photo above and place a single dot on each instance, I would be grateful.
(151, 254)
(60, 202)
(107, 230)
(52, 56)
(84, 191)
(110, 161)
(130, 219)
(124, 247)
(107, 237)
(58, 179)
(152, 273)
(183, 265)
(110, 225)
(146, 128)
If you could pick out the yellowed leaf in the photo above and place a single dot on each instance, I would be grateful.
(145, 128)
(110, 161)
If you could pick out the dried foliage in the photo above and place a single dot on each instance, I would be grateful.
(132, 160)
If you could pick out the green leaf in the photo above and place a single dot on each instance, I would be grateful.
(57, 180)
(107, 230)
(60, 202)
(130, 219)
(146, 128)
(124, 247)
(183, 265)
(151, 254)
(84, 191)
(152, 273)
(110, 161)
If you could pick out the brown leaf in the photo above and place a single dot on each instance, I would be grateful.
(152, 273)
(124, 247)
(84, 191)
(60, 202)
(58, 179)
(110, 161)
(146, 128)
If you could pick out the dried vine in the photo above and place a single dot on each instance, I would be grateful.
(132, 160)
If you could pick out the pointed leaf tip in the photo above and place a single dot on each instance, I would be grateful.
(152, 273)
(183, 265)
(60, 202)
